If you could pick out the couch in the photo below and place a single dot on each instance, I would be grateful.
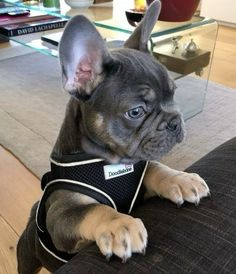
(189, 239)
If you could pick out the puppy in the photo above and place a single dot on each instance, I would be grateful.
(120, 118)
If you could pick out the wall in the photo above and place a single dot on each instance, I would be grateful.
(222, 10)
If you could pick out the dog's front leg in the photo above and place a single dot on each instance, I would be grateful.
(177, 186)
(113, 232)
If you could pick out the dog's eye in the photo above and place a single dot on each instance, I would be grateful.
(135, 113)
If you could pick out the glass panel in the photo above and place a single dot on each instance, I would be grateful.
(168, 42)
(112, 16)
(189, 69)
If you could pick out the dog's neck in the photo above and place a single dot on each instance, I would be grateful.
(73, 139)
(68, 141)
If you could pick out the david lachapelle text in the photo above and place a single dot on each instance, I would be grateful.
(40, 28)
(28, 28)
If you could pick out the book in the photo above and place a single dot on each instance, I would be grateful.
(25, 16)
(55, 38)
(32, 27)
(6, 8)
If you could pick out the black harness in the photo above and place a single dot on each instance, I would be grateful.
(119, 186)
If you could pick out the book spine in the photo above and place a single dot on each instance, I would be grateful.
(33, 29)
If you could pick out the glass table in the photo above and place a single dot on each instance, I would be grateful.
(169, 43)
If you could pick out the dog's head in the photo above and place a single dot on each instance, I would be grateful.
(125, 95)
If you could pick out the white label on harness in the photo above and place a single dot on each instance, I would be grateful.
(116, 170)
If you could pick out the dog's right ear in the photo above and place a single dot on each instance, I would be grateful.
(83, 54)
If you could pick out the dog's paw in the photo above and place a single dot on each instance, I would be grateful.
(122, 236)
(184, 186)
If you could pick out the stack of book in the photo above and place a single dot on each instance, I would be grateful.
(16, 21)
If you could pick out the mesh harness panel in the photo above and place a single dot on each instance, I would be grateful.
(123, 191)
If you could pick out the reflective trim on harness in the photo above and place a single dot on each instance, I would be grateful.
(85, 162)
(52, 253)
(138, 188)
(81, 184)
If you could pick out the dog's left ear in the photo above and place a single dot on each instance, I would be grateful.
(139, 38)
(83, 54)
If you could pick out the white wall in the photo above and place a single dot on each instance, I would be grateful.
(222, 10)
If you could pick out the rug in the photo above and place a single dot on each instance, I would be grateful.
(32, 107)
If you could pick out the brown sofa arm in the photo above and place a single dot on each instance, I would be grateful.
(190, 239)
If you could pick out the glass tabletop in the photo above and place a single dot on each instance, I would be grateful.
(111, 15)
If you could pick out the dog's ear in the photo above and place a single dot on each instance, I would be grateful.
(139, 38)
(82, 54)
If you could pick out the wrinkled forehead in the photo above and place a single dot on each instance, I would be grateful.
(134, 76)
(142, 69)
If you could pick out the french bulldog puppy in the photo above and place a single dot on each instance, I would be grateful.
(121, 118)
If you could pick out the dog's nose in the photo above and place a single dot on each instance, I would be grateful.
(174, 124)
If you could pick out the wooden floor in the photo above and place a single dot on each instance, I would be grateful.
(223, 68)
(20, 189)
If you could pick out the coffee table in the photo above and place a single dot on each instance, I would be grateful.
(168, 43)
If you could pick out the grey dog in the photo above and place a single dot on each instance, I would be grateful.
(121, 113)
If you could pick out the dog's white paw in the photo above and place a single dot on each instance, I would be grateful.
(122, 236)
(184, 186)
